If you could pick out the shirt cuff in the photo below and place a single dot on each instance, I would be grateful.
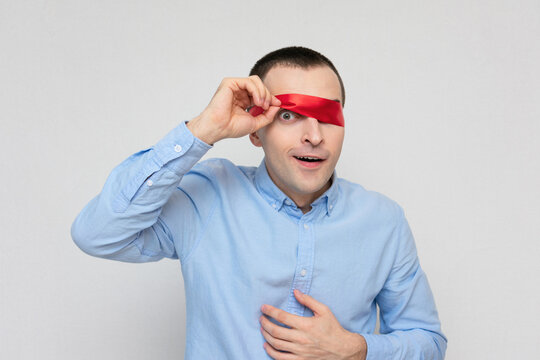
(179, 150)
(376, 348)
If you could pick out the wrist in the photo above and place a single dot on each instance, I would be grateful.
(358, 347)
(194, 125)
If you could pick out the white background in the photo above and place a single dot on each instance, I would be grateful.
(442, 114)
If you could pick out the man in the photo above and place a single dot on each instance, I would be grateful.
(285, 260)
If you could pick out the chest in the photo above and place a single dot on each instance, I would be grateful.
(265, 254)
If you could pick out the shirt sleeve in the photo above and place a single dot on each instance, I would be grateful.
(126, 221)
(409, 322)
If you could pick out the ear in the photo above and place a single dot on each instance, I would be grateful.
(255, 139)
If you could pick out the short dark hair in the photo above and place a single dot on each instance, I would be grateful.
(294, 56)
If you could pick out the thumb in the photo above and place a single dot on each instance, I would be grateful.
(266, 117)
(317, 307)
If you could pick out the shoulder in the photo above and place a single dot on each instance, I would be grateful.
(221, 171)
(365, 201)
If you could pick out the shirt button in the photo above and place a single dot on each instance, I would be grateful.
(177, 148)
(331, 206)
(306, 226)
(303, 272)
(274, 206)
(149, 183)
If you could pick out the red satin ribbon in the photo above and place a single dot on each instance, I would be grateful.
(324, 110)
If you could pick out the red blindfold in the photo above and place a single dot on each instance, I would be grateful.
(324, 110)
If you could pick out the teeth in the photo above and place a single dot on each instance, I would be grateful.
(307, 158)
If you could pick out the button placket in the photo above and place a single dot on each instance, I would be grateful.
(304, 266)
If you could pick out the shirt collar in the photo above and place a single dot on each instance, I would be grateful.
(277, 198)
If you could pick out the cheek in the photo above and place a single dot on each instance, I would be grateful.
(272, 146)
(334, 136)
(279, 137)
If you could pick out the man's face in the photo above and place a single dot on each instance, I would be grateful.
(291, 138)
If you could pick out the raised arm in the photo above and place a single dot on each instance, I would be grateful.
(131, 219)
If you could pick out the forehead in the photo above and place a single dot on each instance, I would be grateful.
(316, 81)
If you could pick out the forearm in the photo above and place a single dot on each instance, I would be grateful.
(133, 196)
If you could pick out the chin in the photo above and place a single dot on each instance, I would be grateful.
(308, 189)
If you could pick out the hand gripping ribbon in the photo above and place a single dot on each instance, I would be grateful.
(324, 110)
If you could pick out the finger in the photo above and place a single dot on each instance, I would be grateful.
(243, 100)
(266, 102)
(317, 307)
(250, 86)
(283, 317)
(265, 118)
(280, 332)
(256, 81)
(279, 344)
(277, 355)
(275, 101)
(262, 91)
(268, 98)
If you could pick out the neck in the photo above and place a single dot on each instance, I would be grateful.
(303, 201)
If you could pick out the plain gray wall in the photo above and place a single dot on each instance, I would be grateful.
(442, 113)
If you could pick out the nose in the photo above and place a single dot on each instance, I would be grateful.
(312, 131)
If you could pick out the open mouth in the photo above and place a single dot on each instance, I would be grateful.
(309, 162)
(308, 158)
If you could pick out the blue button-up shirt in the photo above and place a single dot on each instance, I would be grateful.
(242, 243)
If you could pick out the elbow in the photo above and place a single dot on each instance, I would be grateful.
(439, 343)
(81, 239)
(442, 343)
(84, 238)
(101, 243)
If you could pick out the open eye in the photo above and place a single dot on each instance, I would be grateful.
(287, 115)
